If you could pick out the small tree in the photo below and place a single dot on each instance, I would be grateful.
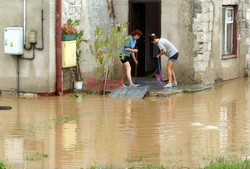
(107, 47)
(79, 42)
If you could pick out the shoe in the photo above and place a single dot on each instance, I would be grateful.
(133, 85)
(167, 86)
(174, 84)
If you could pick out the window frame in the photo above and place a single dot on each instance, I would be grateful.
(233, 54)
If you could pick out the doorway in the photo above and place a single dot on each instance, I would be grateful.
(146, 16)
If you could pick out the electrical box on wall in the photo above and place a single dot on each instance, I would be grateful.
(13, 40)
(68, 53)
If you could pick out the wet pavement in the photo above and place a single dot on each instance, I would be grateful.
(185, 129)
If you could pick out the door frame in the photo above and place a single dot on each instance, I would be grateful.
(130, 27)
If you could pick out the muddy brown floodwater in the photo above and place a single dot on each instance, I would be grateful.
(183, 130)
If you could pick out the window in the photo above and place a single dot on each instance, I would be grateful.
(229, 40)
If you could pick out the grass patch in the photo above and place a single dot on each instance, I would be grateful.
(219, 163)
(77, 95)
(37, 156)
(3, 165)
(139, 166)
(224, 163)
(65, 118)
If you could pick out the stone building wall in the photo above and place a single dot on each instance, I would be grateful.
(203, 24)
(208, 64)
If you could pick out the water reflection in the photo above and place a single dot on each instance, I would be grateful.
(185, 130)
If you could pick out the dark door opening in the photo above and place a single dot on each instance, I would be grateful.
(146, 16)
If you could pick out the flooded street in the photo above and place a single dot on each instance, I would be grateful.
(72, 133)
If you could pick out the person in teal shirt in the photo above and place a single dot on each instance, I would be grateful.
(125, 53)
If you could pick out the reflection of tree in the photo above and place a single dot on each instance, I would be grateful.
(141, 124)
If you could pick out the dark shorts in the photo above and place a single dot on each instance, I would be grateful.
(124, 58)
(175, 57)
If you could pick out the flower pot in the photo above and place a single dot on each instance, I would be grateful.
(78, 85)
(70, 37)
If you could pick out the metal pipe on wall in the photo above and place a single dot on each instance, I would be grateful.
(24, 21)
(59, 90)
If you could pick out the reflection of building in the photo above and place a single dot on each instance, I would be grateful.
(184, 128)
(14, 150)
(25, 135)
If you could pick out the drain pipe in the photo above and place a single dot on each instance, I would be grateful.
(59, 90)
(24, 21)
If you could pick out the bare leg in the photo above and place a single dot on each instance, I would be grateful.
(174, 77)
(170, 71)
(128, 72)
(123, 75)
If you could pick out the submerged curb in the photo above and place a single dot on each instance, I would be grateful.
(179, 90)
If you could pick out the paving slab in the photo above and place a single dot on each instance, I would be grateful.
(130, 92)
(180, 89)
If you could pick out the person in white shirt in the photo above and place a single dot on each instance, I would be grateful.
(168, 49)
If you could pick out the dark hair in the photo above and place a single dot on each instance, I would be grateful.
(136, 32)
(152, 37)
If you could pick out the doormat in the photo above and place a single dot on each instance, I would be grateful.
(130, 92)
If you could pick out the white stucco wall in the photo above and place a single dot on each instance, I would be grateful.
(37, 75)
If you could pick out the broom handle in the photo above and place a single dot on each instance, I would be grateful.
(136, 65)
(159, 65)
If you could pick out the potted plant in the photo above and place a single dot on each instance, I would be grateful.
(70, 32)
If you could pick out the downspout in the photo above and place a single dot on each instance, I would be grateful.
(59, 91)
(24, 22)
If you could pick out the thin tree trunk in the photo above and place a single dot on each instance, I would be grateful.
(105, 82)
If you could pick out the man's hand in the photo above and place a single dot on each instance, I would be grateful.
(136, 62)
(158, 56)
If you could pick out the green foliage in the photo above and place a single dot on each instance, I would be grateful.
(224, 163)
(2, 165)
(79, 42)
(65, 118)
(72, 23)
(37, 156)
(78, 95)
(107, 46)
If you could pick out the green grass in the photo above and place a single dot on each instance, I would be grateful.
(223, 163)
(2, 165)
(37, 156)
(219, 163)
(64, 118)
